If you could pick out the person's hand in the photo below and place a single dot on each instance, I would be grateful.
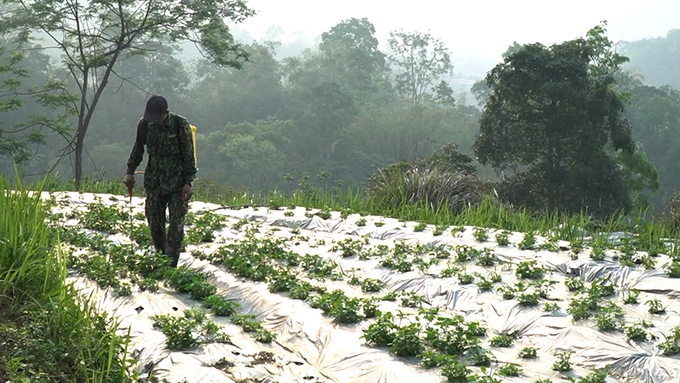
(186, 192)
(129, 181)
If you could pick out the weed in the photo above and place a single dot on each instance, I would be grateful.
(655, 306)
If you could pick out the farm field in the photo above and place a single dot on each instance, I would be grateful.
(309, 295)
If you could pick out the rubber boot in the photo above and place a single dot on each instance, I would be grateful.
(173, 253)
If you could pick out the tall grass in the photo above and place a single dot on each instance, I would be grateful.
(488, 212)
(48, 333)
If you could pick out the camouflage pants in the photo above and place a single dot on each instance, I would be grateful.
(155, 207)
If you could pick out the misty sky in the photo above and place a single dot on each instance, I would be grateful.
(473, 27)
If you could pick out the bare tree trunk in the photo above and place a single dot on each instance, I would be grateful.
(80, 140)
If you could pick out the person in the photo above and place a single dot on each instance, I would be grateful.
(169, 173)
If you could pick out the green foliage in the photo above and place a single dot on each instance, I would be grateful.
(529, 270)
(655, 306)
(509, 370)
(103, 218)
(562, 363)
(420, 227)
(421, 51)
(528, 352)
(54, 334)
(220, 306)
(525, 118)
(502, 340)
(502, 238)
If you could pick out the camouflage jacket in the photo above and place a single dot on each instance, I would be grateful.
(171, 154)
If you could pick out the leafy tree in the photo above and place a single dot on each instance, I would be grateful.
(551, 115)
(352, 50)
(420, 60)
(654, 114)
(93, 36)
(226, 95)
(349, 56)
(249, 154)
(33, 103)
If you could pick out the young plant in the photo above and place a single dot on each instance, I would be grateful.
(481, 234)
(597, 253)
(631, 297)
(562, 363)
(574, 284)
(503, 238)
(439, 230)
(371, 285)
(529, 270)
(528, 352)
(528, 241)
(502, 340)
(509, 370)
(420, 227)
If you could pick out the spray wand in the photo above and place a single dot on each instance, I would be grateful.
(130, 195)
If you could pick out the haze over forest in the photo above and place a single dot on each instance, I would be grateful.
(326, 97)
